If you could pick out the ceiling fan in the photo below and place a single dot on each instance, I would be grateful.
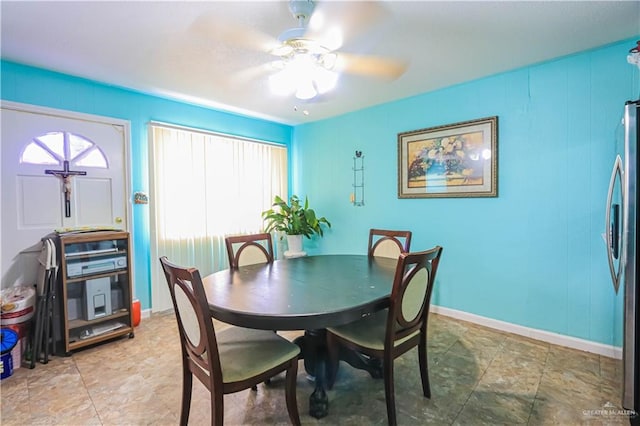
(308, 60)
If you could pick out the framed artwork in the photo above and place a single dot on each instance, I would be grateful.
(456, 160)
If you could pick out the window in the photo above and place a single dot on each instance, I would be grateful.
(57, 147)
(206, 186)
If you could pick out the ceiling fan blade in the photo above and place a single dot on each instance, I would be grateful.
(334, 22)
(213, 28)
(375, 66)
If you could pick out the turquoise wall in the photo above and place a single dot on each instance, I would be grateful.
(39, 87)
(533, 256)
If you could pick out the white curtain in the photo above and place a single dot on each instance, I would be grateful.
(205, 186)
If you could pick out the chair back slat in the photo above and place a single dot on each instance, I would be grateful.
(411, 293)
(249, 249)
(387, 247)
(189, 320)
(388, 243)
(414, 298)
(252, 254)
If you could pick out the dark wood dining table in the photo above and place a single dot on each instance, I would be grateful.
(305, 293)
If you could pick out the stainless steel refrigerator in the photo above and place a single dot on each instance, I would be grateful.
(623, 223)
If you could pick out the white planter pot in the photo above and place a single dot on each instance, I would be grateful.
(294, 244)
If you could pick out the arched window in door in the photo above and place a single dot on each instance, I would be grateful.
(57, 147)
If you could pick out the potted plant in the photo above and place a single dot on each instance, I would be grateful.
(295, 220)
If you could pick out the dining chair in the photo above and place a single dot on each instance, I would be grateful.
(249, 249)
(389, 333)
(229, 361)
(387, 243)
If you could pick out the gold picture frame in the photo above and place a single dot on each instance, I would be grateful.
(456, 160)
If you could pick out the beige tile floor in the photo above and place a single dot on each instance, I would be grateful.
(478, 376)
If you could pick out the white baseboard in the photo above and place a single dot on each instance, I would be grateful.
(545, 336)
(146, 313)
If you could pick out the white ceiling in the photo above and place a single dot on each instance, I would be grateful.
(162, 47)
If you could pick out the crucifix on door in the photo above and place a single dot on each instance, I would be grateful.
(66, 174)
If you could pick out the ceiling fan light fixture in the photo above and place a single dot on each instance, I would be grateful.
(283, 50)
(324, 80)
(308, 86)
(305, 90)
(305, 64)
(332, 39)
(304, 74)
(292, 34)
(292, 45)
(328, 61)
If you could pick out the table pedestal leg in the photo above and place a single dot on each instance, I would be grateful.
(360, 361)
(313, 346)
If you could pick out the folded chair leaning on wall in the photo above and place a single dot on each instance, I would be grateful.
(45, 296)
(387, 334)
(232, 360)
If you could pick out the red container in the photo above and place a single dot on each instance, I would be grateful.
(136, 312)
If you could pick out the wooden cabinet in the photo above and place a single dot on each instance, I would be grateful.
(96, 287)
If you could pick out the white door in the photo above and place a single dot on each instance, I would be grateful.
(39, 148)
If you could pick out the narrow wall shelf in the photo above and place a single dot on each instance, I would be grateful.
(357, 196)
